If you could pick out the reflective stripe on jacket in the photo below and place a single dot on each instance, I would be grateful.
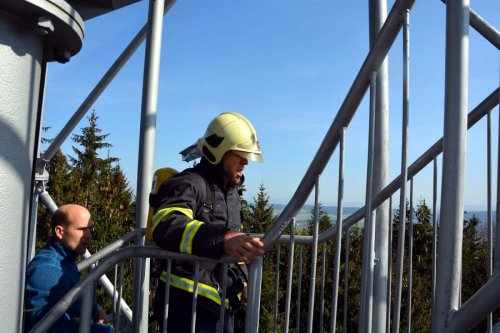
(182, 222)
(204, 290)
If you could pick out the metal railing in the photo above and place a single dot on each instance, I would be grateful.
(447, 314)
(114, 256)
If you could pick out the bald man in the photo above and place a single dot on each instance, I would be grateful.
(53, 272)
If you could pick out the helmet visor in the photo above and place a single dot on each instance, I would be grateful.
(254, 157)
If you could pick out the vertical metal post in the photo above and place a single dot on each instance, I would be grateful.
(87, 302)
(117, 301)
(410, 261)
(346, 279)
(322, 291)
(404, 176)
(378, 14)
(299, 287)
(289, 277)
(86, 309)
(195, 295)
(449, 258)
(146, 155)
(490, 221)
(497, 219)
(366, 307)
(167, 296)
(389, 272)
(222, 312)
(39, 195)
(277, 286)
(40, 179)
(253, 297)
(338, 238)
(434, 227)
(32, 229)
(314, 259)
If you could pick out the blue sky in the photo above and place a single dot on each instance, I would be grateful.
(287, 66)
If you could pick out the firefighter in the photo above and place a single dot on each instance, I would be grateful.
(198, 212)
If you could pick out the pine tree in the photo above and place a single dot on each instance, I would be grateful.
(325, 222)
(259, 216)
(422, 269)
(87, 166)
(100, 185)
(474, 262)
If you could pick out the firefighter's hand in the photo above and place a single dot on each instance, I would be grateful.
(243, 247)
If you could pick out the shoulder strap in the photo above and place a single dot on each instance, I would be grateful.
(208, 200)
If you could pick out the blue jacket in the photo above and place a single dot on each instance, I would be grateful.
(50, 275)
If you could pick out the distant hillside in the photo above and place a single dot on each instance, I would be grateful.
(305, 214)
(306, 211)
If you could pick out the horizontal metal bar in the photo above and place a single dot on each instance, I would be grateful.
(484, 301)
(110, 249)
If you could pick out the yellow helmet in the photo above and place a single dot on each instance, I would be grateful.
(230, 131)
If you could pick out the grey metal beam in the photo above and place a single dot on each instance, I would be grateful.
(338, 239)
(489, 208)
(289, 278)
(366, 306)
(147, 137)
(276, 288)
(389, 271)
(323, 282)
(346, 278)
(314, 259)
(409, 293)
(497, 220)
(253, 296)
(396, 313)
(449, 256)
(484, 301)
(377, 15)
(299, 287)
(434, 226)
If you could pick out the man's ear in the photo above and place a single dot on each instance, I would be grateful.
(59, 232)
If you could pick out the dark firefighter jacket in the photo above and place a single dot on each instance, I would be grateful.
(184, 222)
